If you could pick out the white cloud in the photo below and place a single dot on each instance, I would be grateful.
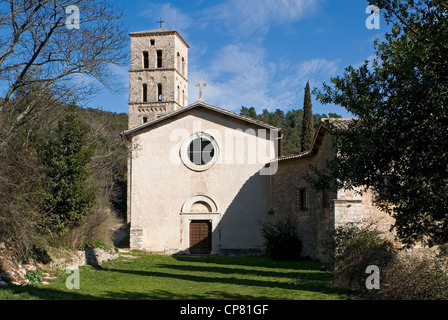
(256, 17)
(238, 76)
(173, 17)
(241, 76)
(292, 78)
(317, 67)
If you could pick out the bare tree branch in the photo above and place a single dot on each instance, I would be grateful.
(39, 51)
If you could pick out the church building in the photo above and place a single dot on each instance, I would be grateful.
(202, 179)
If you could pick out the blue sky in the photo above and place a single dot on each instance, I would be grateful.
(255, 53)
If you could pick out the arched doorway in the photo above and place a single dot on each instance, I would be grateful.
(199, 217)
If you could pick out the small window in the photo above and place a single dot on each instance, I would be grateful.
(159, 92)
(145, 92)
(183, 66)
(145, 59)
(152, 41)
(145, 119)
(301, 203)
(159, 58)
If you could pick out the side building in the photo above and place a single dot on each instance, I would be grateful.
(319, 213)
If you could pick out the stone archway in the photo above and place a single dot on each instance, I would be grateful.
(197, 213)
(200, 204)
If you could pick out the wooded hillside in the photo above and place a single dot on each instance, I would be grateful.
(26, 217)
(290, 122)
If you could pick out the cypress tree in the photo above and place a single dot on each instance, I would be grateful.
(65, 159)
(308, 121)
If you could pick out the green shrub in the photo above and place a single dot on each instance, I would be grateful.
(443, 250)
(99, 245)
(414, 277)
(355, 250)
(403, 276)
(96, 231)
(33, 276)
(281, 240)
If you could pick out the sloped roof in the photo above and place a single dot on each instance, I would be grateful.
(294, 156)
(158, 32)
(205, 106)
(152, 31)
(325, 124)
(338, 123)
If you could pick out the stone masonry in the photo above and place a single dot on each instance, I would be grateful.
(159, 61)
(324, 211)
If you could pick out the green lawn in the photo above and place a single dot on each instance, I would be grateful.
(138, 275)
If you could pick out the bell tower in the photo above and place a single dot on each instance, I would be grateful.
(158, 78)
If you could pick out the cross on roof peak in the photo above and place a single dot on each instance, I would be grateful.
(160, 22)
(200, 85)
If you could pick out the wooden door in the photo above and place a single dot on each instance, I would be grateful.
(200, 237)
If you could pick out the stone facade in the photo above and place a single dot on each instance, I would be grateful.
(314, 217)
(166, 193)
(324, 211)
(158, 78)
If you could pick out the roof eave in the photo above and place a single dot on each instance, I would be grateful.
(204, 105)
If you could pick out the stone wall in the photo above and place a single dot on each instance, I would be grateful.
(136, 239)
(14, 272)
(325, 210)
(172, 75)
(315, 220)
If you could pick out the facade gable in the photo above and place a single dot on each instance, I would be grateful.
(167, 194)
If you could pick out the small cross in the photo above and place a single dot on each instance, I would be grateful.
(160, 22)
(200, 85)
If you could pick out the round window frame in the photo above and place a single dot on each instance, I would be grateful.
(185, 156)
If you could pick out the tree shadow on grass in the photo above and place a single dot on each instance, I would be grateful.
(296, 284)
(45, 293)
(293, 276)
(253, 261)
(168, 295)
(273, 273)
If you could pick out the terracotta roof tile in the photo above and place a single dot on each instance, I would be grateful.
(338, 123)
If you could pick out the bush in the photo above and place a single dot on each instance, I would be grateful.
(33, 277)
(281, 240)
(443, 250)
(412, 277)
(21, 217)
(403, 276)
(97, 230)
(355, 250)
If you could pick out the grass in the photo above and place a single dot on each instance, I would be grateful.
(139, 275)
